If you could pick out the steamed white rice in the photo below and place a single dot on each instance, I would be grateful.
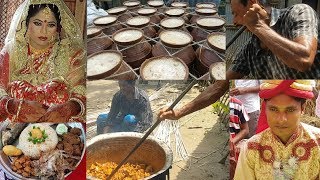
(34, 150)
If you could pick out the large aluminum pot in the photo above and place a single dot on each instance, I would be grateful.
(116, 146)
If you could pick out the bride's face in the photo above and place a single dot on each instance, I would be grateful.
(42, 29)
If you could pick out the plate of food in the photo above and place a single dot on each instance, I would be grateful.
(41, 150)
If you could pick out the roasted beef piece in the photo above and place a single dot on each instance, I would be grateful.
(76, 131)
(71, 138)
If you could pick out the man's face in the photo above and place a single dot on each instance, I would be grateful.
(283, 115)
(239, 10)
(128, 90)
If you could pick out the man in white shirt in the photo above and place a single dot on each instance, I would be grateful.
(247, 92)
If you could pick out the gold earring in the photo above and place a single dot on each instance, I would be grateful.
(52, 39)
(27, 38)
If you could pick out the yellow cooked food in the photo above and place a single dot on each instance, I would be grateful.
(10, 150)
(36, 133)
(128, 171)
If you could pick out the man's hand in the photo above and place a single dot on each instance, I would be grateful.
(171, 114)
(237, 91)
(255, 17)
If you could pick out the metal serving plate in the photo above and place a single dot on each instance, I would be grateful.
(5, 161)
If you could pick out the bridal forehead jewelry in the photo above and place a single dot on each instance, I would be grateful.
(47, 12)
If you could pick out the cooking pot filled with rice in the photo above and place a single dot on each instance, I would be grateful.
(151, 160)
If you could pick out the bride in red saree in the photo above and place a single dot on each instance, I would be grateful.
(42, 65)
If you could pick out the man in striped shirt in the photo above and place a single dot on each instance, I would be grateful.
(284, 41)
(284, 46)
(239, 130)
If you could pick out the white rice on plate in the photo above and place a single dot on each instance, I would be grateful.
(34, 150)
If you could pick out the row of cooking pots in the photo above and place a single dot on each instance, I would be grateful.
(174, 43)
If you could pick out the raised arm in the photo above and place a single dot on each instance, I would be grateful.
(299, 51)
(207, 97)
(244, 90)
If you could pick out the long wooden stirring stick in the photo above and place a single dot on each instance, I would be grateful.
(150, 130)
(235, 36)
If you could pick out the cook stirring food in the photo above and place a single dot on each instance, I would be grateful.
(283, 46)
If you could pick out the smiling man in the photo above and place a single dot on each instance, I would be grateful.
(288, 149)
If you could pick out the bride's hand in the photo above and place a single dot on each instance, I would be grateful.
(26, 111)
(61, 112)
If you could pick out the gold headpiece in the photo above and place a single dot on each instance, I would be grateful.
(47, 12)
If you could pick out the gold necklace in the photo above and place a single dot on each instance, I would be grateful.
(39, 60)
(39, 52)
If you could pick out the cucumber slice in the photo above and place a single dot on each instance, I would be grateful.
(61, 129)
